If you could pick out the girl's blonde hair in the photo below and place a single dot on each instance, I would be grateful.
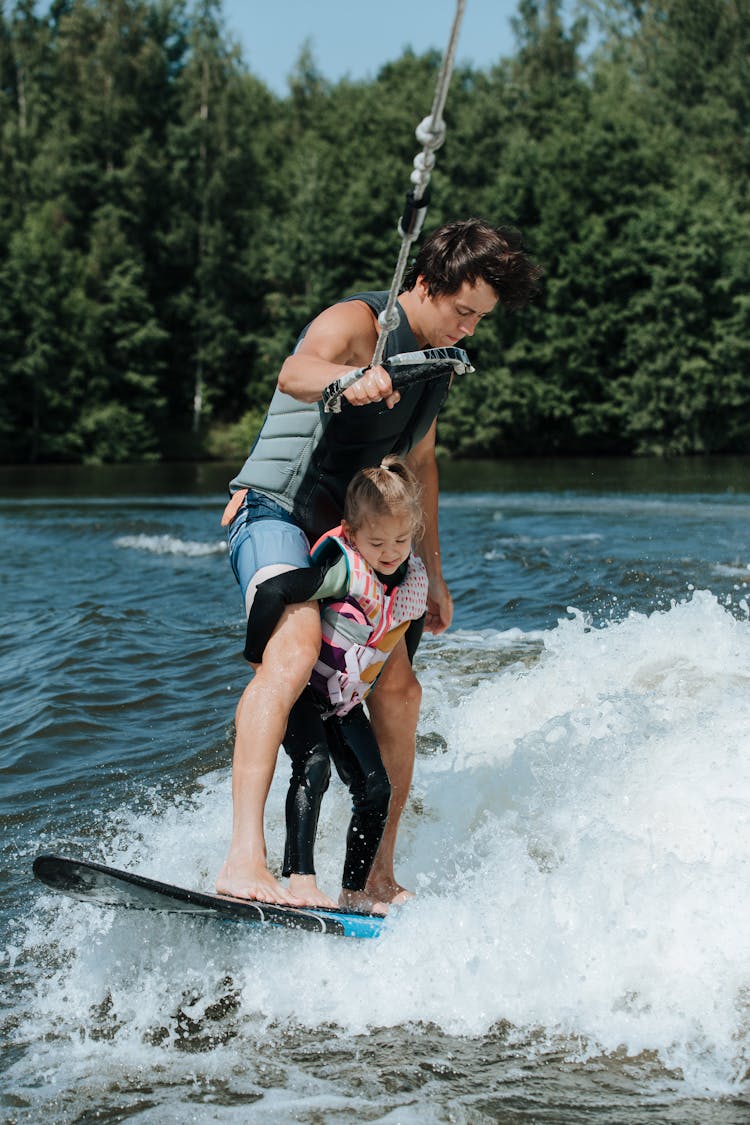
(386, 490)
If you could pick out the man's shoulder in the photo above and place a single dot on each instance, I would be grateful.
(401, 338)
(375, 299)
(346, 332)
(359, 307)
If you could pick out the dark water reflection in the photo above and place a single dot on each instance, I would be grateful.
(595, 475)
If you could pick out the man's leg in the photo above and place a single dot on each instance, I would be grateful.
(394, 710)
(261, 720)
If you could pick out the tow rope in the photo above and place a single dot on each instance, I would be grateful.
(431, 134)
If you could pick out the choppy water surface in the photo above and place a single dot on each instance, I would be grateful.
(578, 833)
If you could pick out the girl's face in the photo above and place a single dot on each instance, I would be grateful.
(382, 541)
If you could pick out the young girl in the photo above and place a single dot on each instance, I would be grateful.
(371, 588)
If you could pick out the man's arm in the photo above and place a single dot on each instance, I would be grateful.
(422, 462)
(339, 339)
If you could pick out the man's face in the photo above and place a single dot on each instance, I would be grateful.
(449, 317)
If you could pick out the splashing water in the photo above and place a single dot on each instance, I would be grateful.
(580, 846)
(577, 831)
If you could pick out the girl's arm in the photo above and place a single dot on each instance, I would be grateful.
(305, 584)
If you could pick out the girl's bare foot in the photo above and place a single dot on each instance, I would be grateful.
(306, 891)
(361, 901)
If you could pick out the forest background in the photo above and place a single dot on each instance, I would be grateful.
(168, 224)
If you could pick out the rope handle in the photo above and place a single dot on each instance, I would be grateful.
(404, 369)
(334, 392)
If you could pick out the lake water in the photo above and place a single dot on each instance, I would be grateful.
(578, 831)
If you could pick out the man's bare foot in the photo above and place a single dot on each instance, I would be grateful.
(306, 890)
(387, 890)
(361, 901)
(244, 878)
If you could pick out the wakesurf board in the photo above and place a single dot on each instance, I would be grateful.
(108, 886)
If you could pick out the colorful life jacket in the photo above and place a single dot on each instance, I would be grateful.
(361, 630)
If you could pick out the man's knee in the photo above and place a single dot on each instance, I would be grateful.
(292, 651)
(397, 685)
(296, 667)
(398, 691)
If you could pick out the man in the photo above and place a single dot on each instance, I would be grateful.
(291, 490)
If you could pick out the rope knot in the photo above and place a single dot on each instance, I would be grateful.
(424, 162)
(389, 322)
(431, 133)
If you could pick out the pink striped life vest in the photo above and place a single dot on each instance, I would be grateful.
(361, 629)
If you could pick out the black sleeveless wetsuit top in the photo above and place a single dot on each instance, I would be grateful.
(304, 458)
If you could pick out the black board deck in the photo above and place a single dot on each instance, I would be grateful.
(107, 886)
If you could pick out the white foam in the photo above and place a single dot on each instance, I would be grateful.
(581, 851)
(170, 545)
(482, 639)
(737, 570)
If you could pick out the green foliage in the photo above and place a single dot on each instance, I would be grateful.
(231, 442)
(168, 226)
(42, 319)
(110, 432)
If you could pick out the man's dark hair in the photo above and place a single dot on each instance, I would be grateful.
(472, 250)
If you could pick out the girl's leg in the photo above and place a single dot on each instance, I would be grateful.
(305, 743)
(358, 762)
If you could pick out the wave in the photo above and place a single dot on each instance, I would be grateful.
(579, 837)
(733, 570)
(169, 545)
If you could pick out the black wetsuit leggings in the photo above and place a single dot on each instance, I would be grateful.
(311, 741)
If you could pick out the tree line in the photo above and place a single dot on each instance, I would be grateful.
(168, 225)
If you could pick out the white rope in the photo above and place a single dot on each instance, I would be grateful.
(430, 133)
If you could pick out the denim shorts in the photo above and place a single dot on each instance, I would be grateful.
(264, 534)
